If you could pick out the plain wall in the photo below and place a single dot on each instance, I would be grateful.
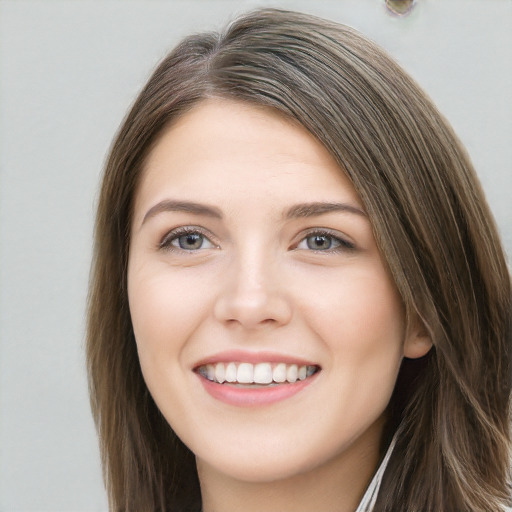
(68, 72)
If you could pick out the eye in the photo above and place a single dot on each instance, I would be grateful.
(324, 241)
(190, 241)
(186, 239)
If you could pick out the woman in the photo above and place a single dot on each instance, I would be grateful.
(299, 299)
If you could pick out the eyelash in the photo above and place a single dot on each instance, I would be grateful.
(166, 242)
(342, 244)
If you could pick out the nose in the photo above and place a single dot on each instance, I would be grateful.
(252, 296)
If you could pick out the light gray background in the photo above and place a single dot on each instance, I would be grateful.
(68, 71)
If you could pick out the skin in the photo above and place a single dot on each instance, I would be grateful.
(256, 285)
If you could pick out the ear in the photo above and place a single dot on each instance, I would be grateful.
(417, 342)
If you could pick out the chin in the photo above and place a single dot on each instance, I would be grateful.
(288, 456)
(264, 469)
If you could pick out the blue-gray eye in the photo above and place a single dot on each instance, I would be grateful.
(192, 241)
(189, 242)
(321, 242)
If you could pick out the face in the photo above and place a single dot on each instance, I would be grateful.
(268, 329)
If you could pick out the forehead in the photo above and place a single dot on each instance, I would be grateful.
(223, 150)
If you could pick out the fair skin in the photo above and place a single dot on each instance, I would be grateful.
(249, 245)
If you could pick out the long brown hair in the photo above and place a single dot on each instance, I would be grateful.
(432, 225)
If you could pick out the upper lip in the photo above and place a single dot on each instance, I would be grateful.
(244, 356)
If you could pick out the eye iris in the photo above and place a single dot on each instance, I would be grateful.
(190, 241)
(319, 242)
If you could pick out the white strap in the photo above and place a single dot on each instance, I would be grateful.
(370, 496)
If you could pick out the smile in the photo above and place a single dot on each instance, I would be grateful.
(260, 373)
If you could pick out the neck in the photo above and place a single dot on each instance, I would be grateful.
(335, 486)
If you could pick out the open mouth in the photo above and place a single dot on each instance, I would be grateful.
(256, 375)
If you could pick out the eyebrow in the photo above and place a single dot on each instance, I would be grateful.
(169, 205)
(297, 211)
(313, 209)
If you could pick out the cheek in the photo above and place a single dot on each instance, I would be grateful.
(364, 339)
(165, 309)
(358, 303)
(360, 321)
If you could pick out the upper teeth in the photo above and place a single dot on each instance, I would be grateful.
(261, 373)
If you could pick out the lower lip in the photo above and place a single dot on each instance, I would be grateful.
(252, 397)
